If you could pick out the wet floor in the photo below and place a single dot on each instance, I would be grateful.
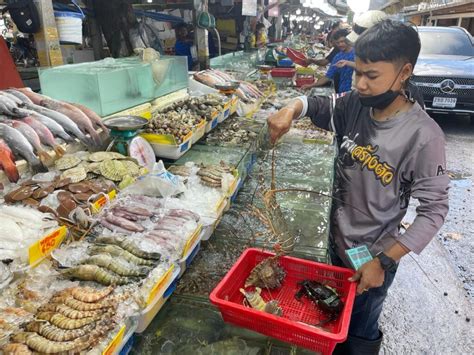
(431, 300)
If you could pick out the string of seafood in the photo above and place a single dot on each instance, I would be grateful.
(29, 122)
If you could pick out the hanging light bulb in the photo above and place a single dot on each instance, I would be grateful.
(298, 11)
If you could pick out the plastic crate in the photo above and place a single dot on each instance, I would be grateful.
(283, 72)
(297, 57)
(146, 316)
(308, 80)
(297, 325)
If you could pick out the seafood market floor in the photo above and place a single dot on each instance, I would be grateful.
(420, 316)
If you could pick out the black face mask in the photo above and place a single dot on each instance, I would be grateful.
(382, 100)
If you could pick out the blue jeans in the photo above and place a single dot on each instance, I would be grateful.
(367, 306)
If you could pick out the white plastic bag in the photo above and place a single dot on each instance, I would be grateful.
(158, 183)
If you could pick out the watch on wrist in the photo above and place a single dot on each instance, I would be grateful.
(387, 263)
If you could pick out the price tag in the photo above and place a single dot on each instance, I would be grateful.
(214, 114)
(100, 203)
(115, 342)
(192, 239)
(159, 285)
(44, 246)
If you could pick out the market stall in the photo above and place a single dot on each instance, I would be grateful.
(102, 237)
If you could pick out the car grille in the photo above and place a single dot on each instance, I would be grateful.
(433, 90)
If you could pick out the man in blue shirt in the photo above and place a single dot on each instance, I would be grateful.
(183, 44)
(340, 71)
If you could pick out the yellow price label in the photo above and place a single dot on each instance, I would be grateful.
(227, 105)
(214, 114)
(192, 239)
(201, 124)
(102, 201)
(115, 342)
(233, 186)
(44, 246)
(159, 284)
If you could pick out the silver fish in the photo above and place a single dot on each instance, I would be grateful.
(9, 107)
(63, 120)
(52, 125)
(21, 147)
(20, 95)
(76, 115)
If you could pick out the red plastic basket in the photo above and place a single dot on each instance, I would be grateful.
(304, 81)
(297, 325)
(297, 57)
(283, 72)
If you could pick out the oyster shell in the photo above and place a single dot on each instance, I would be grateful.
(113, 170)
(75, 174)
(101, 156)
(67, 162)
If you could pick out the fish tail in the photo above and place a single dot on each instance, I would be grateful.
(44, 157)
(60, 151)
(37, 166)
(95, 137)
(66, 137)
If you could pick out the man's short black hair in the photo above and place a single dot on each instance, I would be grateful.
(335, 25)
(181, 25)
(259, 26)
(339, 33)
(389, 41)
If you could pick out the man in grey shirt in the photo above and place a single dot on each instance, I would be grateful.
(389, 150)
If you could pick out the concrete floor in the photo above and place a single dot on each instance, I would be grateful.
(419, 315)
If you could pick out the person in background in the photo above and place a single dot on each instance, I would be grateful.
(341, 75)
(328, 59)
(259, 38)
(183, 44)
(334, 28)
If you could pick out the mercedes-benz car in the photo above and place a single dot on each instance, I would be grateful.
(444, 73)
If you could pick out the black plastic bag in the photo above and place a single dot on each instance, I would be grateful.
(25, 15)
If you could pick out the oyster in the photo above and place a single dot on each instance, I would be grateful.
(75, 174)
(132, 168)
(113, 170)
(67, 162)
(101, 156)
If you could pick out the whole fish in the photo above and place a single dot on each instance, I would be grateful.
(76, 115)
(94, 117)
(9, 107)
(55, 128)
(45, 135)
(13, 98)
(67, 124)
(32, 137)
(33, 96)
(7, 162)
(21, 147)
(20, 95)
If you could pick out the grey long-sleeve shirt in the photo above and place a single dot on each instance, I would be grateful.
(380, 165)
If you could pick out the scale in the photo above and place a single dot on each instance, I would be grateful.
(227, 88)
(126, 141)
